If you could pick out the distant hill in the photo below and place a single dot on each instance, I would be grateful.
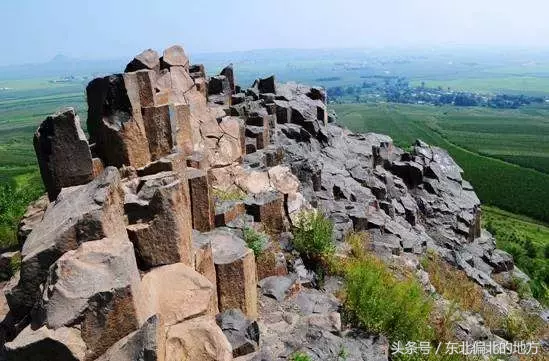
(60, 66)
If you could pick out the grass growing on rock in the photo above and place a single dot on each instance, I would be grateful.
(454, 285)
(391, 301)
(377, 300)
(227, 195)
(256, 241)
(313, 235)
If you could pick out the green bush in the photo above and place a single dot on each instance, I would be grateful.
(256, 241)
(300, 356)
(379, 302)
(313, 235)
(13, 203)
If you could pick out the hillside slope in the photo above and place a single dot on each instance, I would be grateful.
(202, 221)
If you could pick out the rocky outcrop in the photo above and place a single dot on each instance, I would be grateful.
(243, 334)
(144, 242)
(198, 339)
(235, 271)
(175, 293)
(63, 153)
(145, 344)
(61, 344)
(80, 214)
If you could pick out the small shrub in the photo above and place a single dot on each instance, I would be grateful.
(256, 241)
(313, 235)
(14, 200)
(359, 242)
(379, 302)
(300, 356)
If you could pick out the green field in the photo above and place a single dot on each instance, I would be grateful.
(22, 108)
(527, 240)
(508, 186)
(527, 85)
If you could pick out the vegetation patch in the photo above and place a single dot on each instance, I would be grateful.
(455, 286)
(313, 235)
(256, 241)
(376, 300)
(223, 195)
(300, 356)
(13, 203)
(528, 242)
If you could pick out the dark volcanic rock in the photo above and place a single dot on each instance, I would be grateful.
(266, 85)
(63, 152)
(242, 333)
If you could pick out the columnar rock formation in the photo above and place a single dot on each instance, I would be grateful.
(143, 245)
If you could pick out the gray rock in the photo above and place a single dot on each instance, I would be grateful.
(63, 152)
(500, 260)
(95, 267)
(80, 214)
(242, 333)
(266, 85)
(276, 286)
(144, 344)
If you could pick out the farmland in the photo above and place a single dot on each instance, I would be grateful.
(22, 107)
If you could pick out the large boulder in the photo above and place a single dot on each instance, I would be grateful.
(199, 339)
(203, 211)
(243, 334)
(63, 152)
(62, 344)
(174, 56)
(96, 267)
(229, 74)
(109, 317)
(80, 214)
(175, 293)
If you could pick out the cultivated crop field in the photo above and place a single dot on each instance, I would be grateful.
(523, 139)
(22, 107)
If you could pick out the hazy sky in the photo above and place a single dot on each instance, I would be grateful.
(37, 30)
